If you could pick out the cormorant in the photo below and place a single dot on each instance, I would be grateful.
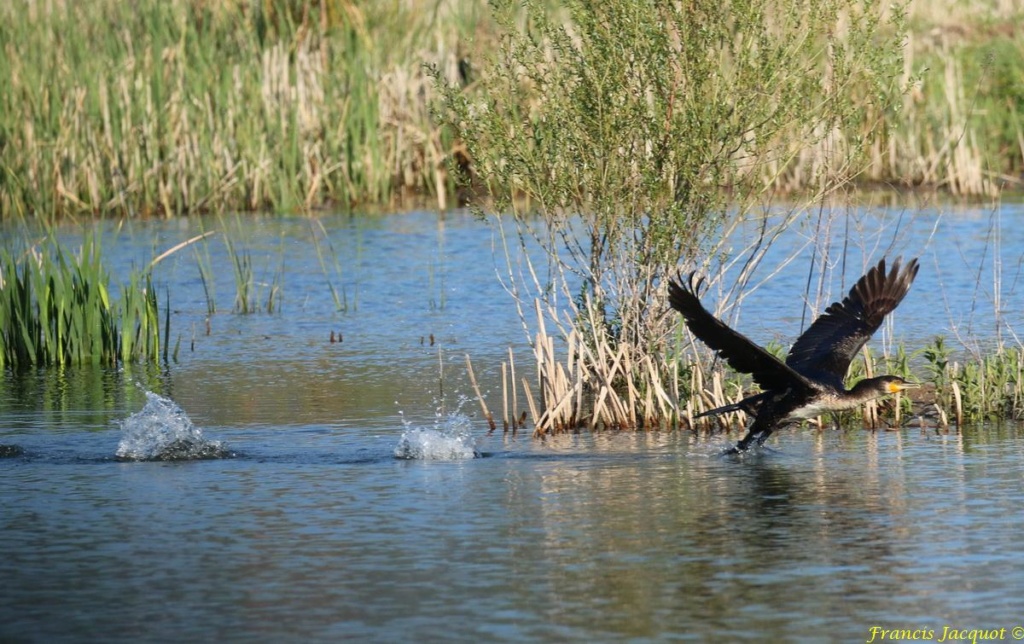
(810, 381)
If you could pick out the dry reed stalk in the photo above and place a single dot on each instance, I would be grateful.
(538, 431)
(665, 403)
(515, 401)
(958, 408)
(647, 418)
(630, 390)
(504, 397)
(736, 418)
(173, 249)
(717, 397)
(554, 392)
(696, 386)
(580, 378)
(714, 398)
(943, 418)
(479, 396)
(559, 417)
(538, 355)
(621, 418)
(598, 385)
(608, 406)
(551, 391)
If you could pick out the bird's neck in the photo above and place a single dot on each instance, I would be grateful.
(866, 390)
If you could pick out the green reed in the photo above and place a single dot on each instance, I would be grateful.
(185, 106)
(56, 309)
(250, 289)
(245, 280)
(181, 106)
(974, 388)
(980, 387)
(204, 265)
(273, 286)
(316, 231)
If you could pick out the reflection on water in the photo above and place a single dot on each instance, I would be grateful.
(315, 531)
(650, 536)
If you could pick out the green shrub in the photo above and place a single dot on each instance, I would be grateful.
(636, 130)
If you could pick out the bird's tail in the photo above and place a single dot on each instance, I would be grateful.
(748, 405)
(720, 410)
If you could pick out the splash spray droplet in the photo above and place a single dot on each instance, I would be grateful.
(162, 431)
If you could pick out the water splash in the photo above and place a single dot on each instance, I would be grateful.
(451, 439)
(163, 432)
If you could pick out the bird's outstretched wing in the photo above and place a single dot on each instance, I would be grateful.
(737, 349)
(825, 350)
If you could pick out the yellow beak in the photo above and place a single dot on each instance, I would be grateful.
(896, 387)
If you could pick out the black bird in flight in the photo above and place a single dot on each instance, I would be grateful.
(810, 381)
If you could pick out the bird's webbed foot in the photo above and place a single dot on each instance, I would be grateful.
(743, 445)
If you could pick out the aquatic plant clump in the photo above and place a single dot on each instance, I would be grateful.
(56, 309)
(162, 431)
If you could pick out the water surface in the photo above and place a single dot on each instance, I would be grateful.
(313, 529)
(317, 534)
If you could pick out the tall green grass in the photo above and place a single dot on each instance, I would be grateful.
(960, 127)
(56, 309)
(180, 106)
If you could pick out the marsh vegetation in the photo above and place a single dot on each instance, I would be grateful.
(612, 136)
(192, 106)
(56, 308)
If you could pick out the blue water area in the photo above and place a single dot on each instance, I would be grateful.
(320, 534)
(268, 484)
